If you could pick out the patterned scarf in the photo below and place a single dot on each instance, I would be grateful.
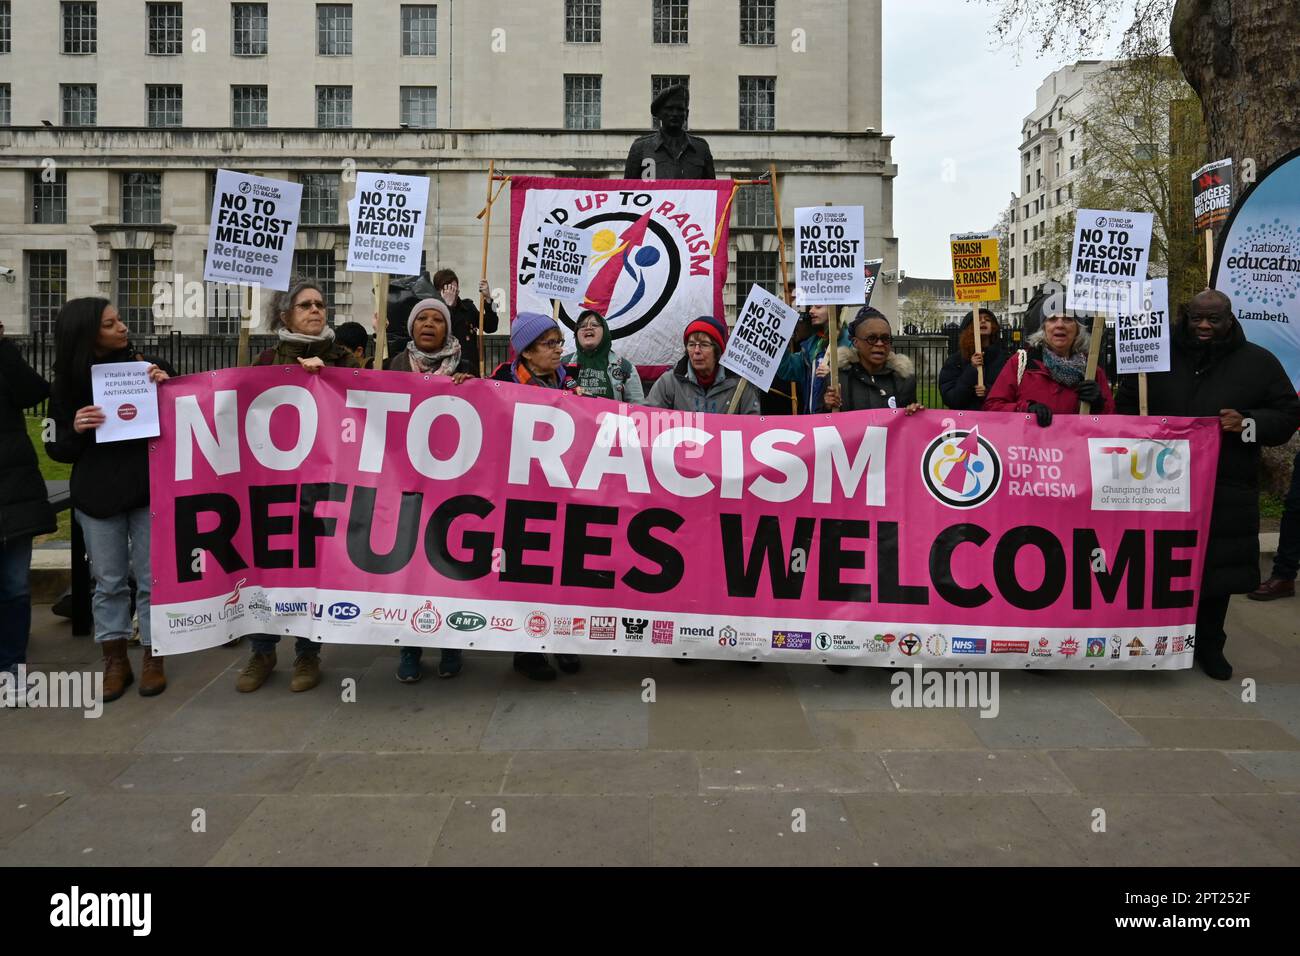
(1067, 371)
(445, 361)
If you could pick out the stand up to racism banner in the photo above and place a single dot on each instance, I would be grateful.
(362, 507)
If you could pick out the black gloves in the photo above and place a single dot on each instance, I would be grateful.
(1089, 391)
(1042, 413)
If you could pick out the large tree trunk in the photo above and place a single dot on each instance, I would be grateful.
(1242, 57)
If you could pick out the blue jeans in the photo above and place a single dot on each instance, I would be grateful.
(1287, 561)
(15, 600)
(265, 644)
(118, 548)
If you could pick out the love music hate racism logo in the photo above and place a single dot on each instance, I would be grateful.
(961, 469)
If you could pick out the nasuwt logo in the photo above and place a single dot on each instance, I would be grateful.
(961, 469)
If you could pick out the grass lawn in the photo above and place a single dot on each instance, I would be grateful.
(50, 471)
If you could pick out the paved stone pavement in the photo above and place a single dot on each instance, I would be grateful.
(729, 765)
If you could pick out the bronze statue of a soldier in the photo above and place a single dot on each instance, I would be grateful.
(670, 152)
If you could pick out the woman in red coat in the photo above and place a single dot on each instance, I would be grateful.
(1048, 377)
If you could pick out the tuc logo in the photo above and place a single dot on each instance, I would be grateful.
(1140, 474)
(961, 469)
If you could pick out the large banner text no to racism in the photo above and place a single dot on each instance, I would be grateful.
(379, 508)
(651, 267)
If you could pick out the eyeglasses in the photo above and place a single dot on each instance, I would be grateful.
(550, 344)
(885, 339)
(584, 326)
(309, 305)
(698, 346)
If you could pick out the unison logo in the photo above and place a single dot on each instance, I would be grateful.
(76, 909)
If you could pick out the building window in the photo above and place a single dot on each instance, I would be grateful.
(224, 300)
(754, 209)
(419, 30)
(670, 21)
(6, 27)
(661, 81)
(758, 103)
(334, 29)
(1012, 274)
(79, 27)
(317, 265)
(1071, 136)
(1028, 184)
(133, 289)
(248, 29)
(6, 98)
(758, 22)
(334, 107)
(419, 106)
(581, 21)
(320, 199)
(166, 30)
(1038, 151)
(1074, 162)
(756, 268)
(1025, 265)
(47, 289)
(50, 199)
(163, 105)
(142, 198)
(1069, 190)
(248, 107)
(581, 101)
(79, 101)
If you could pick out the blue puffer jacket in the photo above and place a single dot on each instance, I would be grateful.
(800, 365)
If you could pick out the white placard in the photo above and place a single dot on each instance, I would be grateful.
(562, 258)
(760, 337)
(128, 398)
(829, 255)
(1142, 329)
(387, 216)
(1110, 252)
(254, 224)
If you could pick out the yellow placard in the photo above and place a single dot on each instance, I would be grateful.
(975, 267)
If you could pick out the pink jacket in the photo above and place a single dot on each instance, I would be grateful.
(1007, 395)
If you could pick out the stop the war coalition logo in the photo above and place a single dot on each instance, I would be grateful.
(1138, 474)
(961, 469)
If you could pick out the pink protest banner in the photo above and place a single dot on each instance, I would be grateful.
(379, 508)
(656, 256)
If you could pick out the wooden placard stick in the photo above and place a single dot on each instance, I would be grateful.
(1142, 393)
(1094, 356)
(379, 285)
(979, 347)
(487, 225)
(244, 349)
(736, 396)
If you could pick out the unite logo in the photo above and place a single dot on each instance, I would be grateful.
(1140, 474)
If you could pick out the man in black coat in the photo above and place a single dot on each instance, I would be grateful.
(24, 507)
(1214, 372)
(464, 313)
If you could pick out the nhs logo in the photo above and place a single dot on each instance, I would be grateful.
(969, 645)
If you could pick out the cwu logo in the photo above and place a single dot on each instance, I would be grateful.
(961, 469)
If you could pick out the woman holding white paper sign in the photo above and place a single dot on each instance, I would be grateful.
(110, 487)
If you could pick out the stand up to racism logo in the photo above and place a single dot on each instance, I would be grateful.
(961, 469)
